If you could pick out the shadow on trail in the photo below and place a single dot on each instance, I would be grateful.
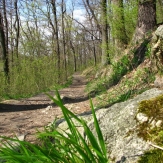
(23, 107)
(19, 107)
(68, 100)
(27, 104)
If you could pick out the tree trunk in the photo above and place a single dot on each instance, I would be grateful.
(73, 50)
(63, 9)
(4, 48)
(104, 24)
(53, 3)
(17, 27)
(94, 51)
(146, 19)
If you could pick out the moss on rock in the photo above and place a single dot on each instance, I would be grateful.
(153, 109)
(153, 156)
(152, 128)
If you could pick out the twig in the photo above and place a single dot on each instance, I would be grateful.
(156, 146)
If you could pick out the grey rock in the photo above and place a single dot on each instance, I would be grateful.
(158, 83)
(14, 144)
(116, 123)
(159, 31)
(156, 53)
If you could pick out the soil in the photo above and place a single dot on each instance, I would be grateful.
(27, 116)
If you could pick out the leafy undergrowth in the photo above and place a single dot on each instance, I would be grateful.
(129, 85)
(7, 96)
(59, 147)
(125, 77)
(30, 76)
(109, 76)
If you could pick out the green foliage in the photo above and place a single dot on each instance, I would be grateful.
(130, 14)
(148, 51)
(63, 147)
(120, 68)
(153, 156)
(159, 11)
(91, 71)
(64, 85)
(129, 86)
(31, 75)
(97, 87)
(1, 66)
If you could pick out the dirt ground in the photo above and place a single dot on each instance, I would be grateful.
(26, 116)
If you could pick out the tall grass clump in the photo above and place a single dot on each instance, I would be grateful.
(60, 146)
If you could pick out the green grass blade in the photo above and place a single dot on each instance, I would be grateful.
(98, 130)
(71, 141)
(67, 114)
(93, 141)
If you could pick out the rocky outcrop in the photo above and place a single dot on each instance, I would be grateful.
(118, 124)
(157, 48)
(118, 127)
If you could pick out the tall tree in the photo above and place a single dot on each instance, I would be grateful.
(17, 27)
(63, 10)
(54, 11)
(104, 31)
(4, 39)
(146, 19)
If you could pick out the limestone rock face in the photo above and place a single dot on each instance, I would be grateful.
(118, 127)
(159, 31)
(118, 124)
(157, 48)
(158, 83)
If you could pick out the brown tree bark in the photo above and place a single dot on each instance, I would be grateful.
(17, 27)
(4, 48)
(75, 60)
(63, 10)
(54, 10)
(146, 19)
(104, 28)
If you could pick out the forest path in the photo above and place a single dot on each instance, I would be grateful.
(24, 116)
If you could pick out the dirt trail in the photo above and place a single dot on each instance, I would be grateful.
(28, 115)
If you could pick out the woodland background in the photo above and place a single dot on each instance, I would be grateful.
(43, 43)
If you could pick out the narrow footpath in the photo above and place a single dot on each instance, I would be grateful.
(26, 116)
